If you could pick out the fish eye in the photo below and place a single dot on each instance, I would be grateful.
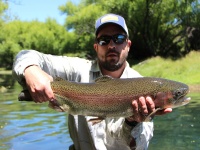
(178, 93)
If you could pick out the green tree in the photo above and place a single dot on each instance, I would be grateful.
(48, 37)
(81, 19)
(155, 27)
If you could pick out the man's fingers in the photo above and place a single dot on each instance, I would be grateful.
(137, 116)
(42, 96)
(38, 83)
(164, 111)
(48, 93)
(135, 107)
(150, 104)
(142, 106)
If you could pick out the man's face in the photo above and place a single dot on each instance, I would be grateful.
(113, 55)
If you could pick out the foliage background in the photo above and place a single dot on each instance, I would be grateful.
(166, 28)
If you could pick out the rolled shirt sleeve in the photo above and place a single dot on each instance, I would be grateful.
(24, 59)
(72, 69)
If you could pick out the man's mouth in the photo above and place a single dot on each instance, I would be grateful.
(112, 54)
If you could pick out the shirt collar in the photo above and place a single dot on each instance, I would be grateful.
(95, 67)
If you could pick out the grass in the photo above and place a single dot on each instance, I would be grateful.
(3, 71)
(186, 69)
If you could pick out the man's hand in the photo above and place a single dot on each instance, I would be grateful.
(38, 83)
(143, 107)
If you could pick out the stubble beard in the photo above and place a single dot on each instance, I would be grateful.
(112, 64)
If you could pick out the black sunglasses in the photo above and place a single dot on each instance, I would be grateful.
(105, 39)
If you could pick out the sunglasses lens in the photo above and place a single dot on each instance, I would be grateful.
(119, 39)
(103, 40)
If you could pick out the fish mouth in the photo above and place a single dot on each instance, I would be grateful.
(186, 100)
(181, 102)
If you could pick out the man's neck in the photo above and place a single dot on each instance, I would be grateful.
(114, 74)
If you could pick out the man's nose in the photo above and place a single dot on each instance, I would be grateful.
(111, 45)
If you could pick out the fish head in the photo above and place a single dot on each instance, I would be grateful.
(179, 97)
(172, 95)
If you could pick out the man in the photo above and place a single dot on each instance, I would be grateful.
(35, 71)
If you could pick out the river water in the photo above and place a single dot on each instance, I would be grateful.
(26, 125)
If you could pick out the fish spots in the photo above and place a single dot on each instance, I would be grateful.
(112, 97)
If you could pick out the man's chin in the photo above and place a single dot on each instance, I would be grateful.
(112, 60)
(111, 66)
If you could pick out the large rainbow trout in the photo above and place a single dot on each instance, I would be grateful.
(111, 97)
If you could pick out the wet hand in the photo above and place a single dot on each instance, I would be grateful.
(38, 83)
(143, 107)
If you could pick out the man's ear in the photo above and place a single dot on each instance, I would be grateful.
(129, 43)
(95, 47)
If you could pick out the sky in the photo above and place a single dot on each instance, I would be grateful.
(28, 10)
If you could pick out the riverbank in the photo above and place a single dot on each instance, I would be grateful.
(186, 69)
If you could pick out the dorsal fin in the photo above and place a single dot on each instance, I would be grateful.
(104, 78)
(58, 79)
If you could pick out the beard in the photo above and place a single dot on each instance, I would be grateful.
(112, 64)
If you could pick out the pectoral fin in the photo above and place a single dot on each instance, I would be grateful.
(105, 78)
(54, 105)
(150, 116)
(96, 120)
